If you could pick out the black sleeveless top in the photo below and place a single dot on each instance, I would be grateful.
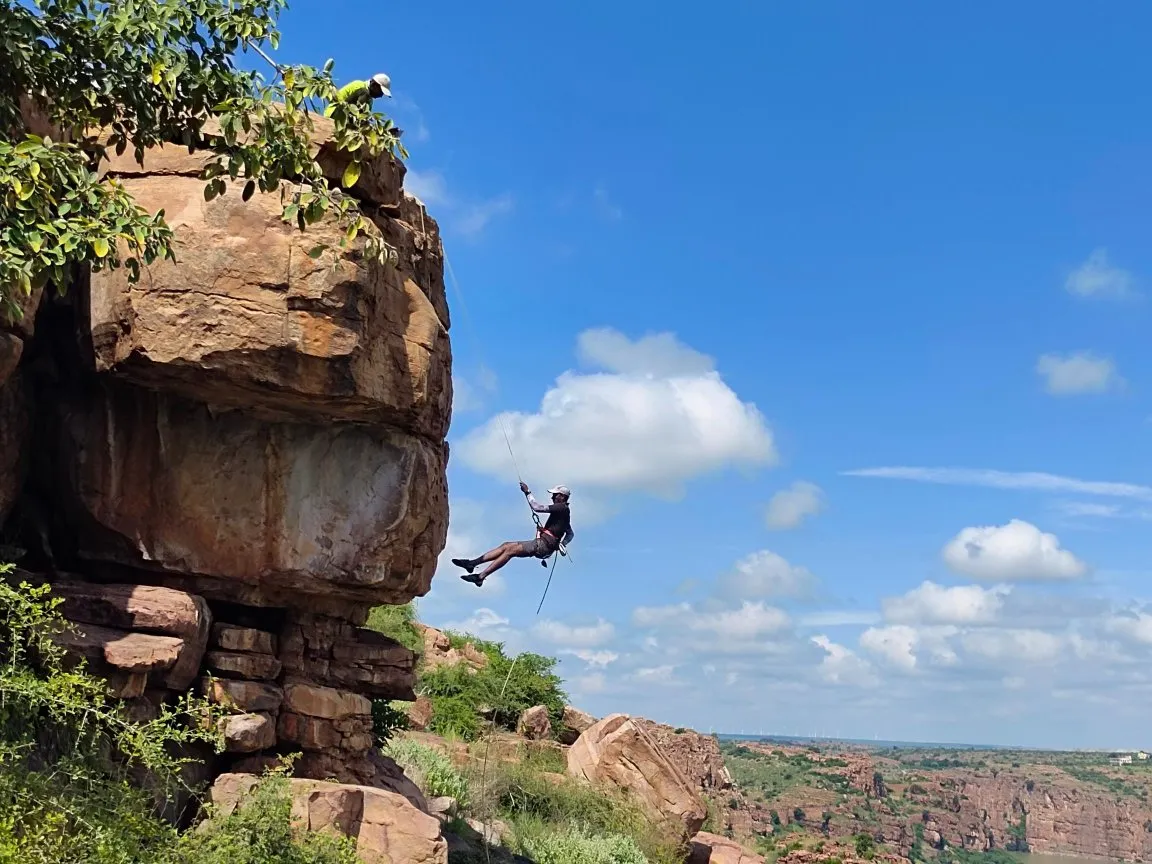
(559, 521)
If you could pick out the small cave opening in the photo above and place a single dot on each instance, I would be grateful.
(268, 618)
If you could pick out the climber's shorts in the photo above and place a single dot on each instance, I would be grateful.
(537, 548)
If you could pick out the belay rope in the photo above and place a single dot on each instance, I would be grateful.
(535, 518)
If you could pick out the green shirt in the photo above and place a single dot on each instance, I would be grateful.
(356, 91)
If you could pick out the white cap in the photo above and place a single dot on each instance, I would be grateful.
(560, 490)
(385, 83)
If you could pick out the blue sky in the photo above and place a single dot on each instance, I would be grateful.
(714, 257)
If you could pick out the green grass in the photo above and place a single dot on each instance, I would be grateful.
(429, 769)
(398, 622)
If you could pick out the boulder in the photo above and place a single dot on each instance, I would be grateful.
(534, 724)
(438, 651)
(325, 702)
(419, 714)
(696, 756)
(387, 828)
(121, 651)
(251, 666)
(246, 318)
(248, 733)
(574, 722)
(144, 608)
(245, 695)
(616, 752)
(230, 638)
(713, 849)
(332, 511)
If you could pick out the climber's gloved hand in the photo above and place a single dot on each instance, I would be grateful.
(524, 488)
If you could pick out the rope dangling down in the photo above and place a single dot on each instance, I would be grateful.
(535, 519)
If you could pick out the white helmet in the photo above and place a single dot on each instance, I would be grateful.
(560, 490)
(384, 83)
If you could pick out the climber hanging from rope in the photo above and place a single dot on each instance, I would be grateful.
(551, 537)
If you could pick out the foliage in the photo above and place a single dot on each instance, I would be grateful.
(120, 75)
(260, 831)
(577, 845)
(865, 845)
(399, 623)
(429, 769)
(72, 764)
(534, 804)
(502, 690)
(51, 703)
(388, 718)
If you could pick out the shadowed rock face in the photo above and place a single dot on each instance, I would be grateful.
(616, 751)
(231, 461)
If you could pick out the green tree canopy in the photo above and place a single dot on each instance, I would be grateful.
(131, 74)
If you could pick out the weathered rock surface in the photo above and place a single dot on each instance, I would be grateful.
(616, 751)
(249, 443)
(713, 849)
(696, 756)
(574, 722)
(419, 714)
(248, 733)
(146, 609)
(387, 828)
(534, 724)
(286, 510)
(438, 651)
(248, 319)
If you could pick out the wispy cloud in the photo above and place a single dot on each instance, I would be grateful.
(1096, 277)
(474, 218)
(839, 618)
(1078, 373)
(465, 216)
(1024, 480)
(605, 206)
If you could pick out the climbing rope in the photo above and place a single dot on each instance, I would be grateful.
(535, 518)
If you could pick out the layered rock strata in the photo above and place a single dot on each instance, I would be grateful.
(222, 467)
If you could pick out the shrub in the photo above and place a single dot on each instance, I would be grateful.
(534, 804)
(388, 718)
(399, 623)
(260, 831)
(576, 845)
(506, 687)
(429, 769)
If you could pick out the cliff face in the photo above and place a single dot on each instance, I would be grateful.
(1060, 815)
(227, 464)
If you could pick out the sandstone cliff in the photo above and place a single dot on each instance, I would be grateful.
(223, 467)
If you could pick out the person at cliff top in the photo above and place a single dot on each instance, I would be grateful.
(363, 91)
(555, 535)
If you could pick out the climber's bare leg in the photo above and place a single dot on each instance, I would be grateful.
(495, 558)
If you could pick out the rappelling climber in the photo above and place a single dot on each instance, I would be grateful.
(362, 91)
(553, 536)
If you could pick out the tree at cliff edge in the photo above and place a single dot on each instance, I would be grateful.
(135, 74)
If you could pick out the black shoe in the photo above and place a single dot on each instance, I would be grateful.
(475, 580)
(465, 563)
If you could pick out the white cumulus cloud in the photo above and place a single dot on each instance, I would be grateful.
(1077, 373)
(789, 507)
(575, 636)
(1097, 277)
(1135, 627)
(842, 665)
(766, 574)
(934, 604)
(1026, 646)
(659, 415)
(1015, 552)
(903, 647)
